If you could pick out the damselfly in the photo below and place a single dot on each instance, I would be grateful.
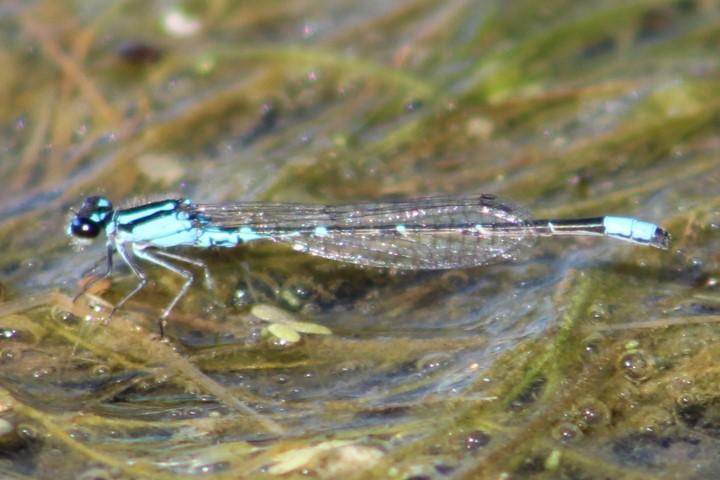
(422, 234)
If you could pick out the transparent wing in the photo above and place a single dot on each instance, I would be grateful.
(425, 233)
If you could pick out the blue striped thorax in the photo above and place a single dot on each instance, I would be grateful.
(161, 224)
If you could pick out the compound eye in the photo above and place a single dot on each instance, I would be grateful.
(82, 227)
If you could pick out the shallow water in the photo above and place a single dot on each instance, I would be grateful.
(585, 358)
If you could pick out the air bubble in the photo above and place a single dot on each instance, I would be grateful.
(636, 366)
(593, 413)
(100, 370)
(598, 311)
(63, 316)
(433, 361)
(591, 345)
(42, 372)
(566, 432)
(27, 432)
(8, 334)
(476, 439)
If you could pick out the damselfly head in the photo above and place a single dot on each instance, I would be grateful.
(91, 219)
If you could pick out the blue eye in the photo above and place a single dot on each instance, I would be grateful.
(83, 227)
(94, 214)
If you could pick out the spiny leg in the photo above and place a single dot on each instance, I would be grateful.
(93, 281)
(138, 273)
(188, 276)
(209, 283)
